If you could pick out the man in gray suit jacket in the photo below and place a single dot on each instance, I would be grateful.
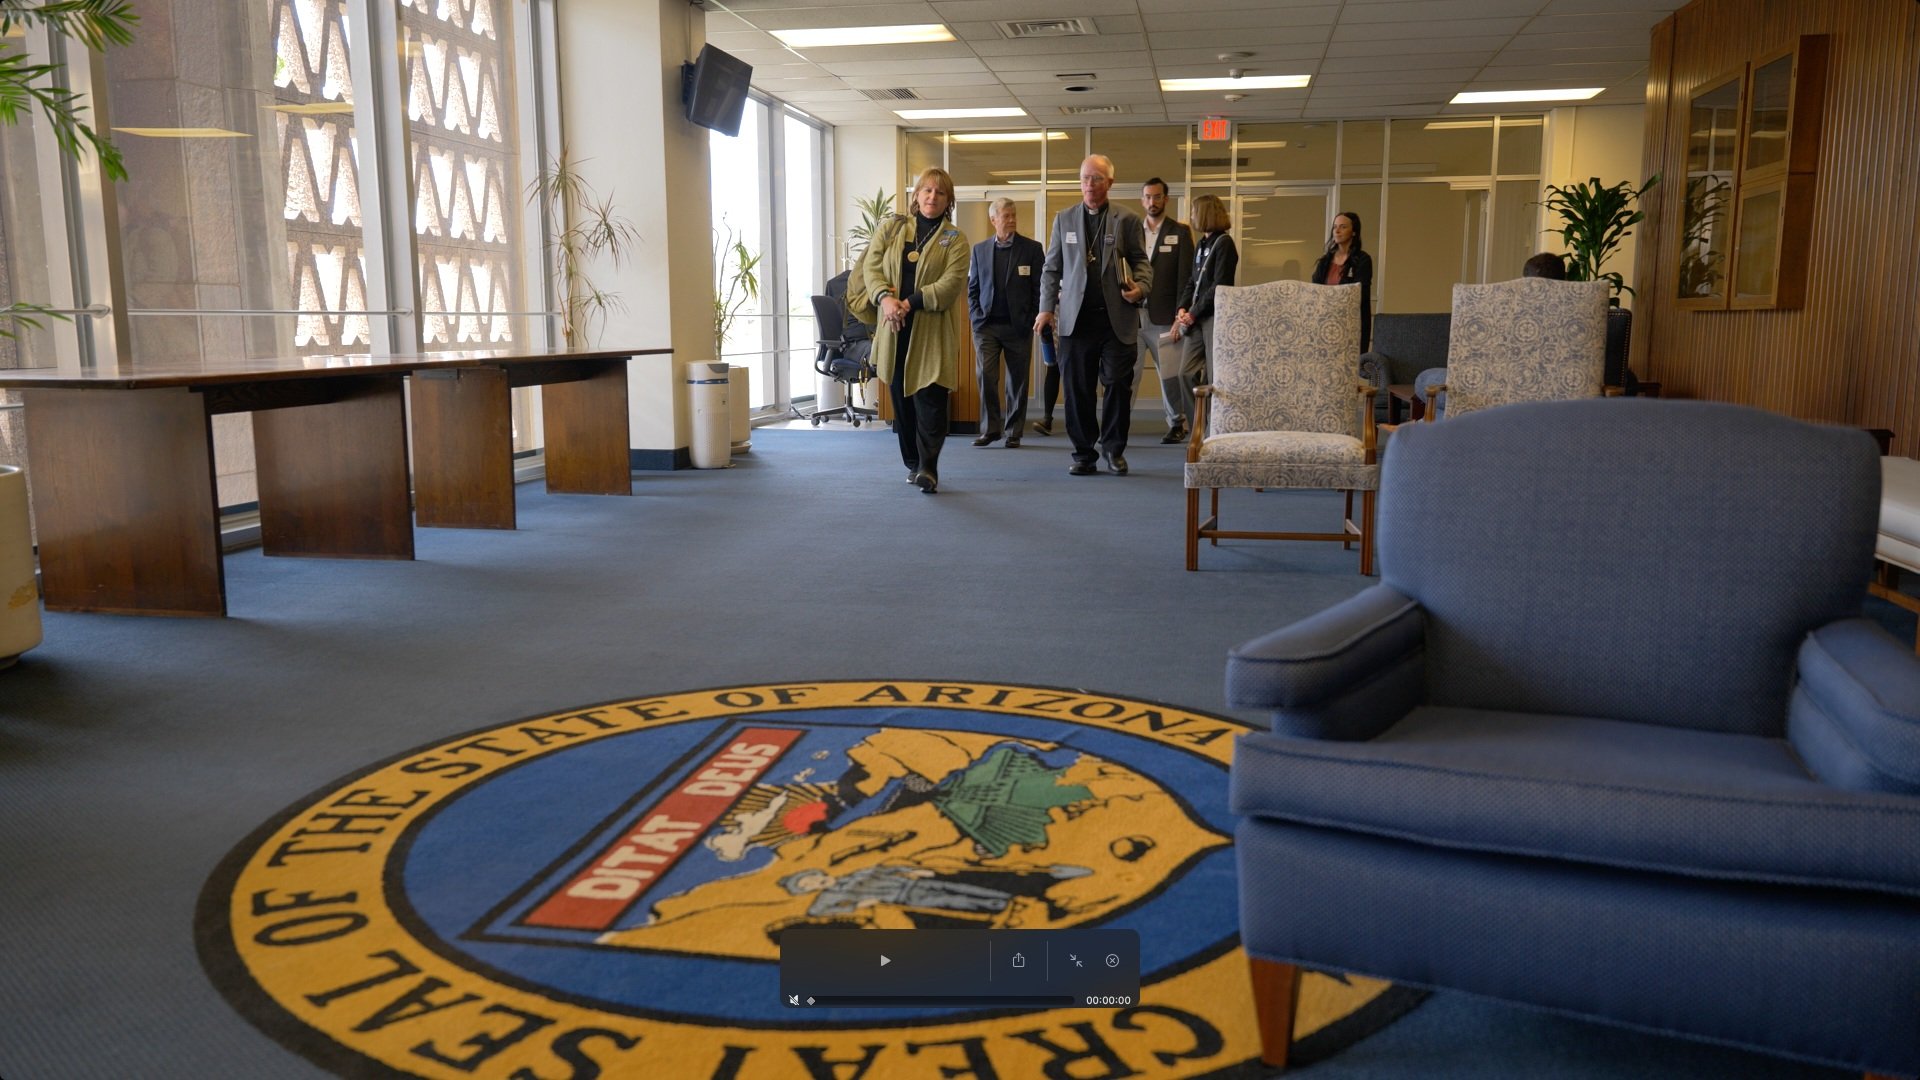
(1003, 296)
(1096, 271)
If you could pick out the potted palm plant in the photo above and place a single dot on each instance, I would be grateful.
(1593, 221)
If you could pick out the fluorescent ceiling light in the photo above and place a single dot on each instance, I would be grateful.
(1462, 125)
(955, 114)
(314, 108)
(1484, 97)
(824, 37)
(1245, 82)
(1275, 144)
(183, 133)
(1005, 136)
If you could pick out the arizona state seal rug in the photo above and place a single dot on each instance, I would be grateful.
(602, 891)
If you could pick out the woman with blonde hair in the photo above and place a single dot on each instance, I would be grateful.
(1215, 262)
(914, 275)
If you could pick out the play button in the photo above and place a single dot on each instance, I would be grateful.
(885, 959)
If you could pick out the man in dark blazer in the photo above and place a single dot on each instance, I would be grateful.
(1003, 296)
(1170, 248)
(1096, 271)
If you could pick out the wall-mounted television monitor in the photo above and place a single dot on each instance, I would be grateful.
(714, 88)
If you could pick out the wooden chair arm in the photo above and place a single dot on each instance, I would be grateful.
(1434, 390)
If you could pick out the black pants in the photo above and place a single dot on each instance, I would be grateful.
(1092, 359)
(919, 421)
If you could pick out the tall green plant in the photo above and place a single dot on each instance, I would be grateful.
(27, 87)
(872, 212)
(735, 285)
(1594, 219)
(581, 227)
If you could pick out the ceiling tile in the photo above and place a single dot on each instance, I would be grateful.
(1609, 22)
(1428, 29)
(1333, 65)
(907, 67)
(1005, 10)
(1430, 10)
(1390, 47)
(1394, 76)
(1217, 21)
(1120, 61)
(1052, 46)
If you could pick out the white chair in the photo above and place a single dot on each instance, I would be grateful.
(1285, 409)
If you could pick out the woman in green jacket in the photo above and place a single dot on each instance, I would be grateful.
(915, 275)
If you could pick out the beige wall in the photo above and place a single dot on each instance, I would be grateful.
(639, 147)
(866, 159)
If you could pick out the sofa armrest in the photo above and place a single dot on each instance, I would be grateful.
(1855, 715)
(1345, 673)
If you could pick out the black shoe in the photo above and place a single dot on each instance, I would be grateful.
(985, 440)
(1082, 468)
(1043, 427)
(1013, 442)
(928, 482)
(1177, 434)
(1118, 463)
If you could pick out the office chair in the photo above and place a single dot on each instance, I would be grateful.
(830, 318)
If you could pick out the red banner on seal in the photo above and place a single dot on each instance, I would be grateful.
(596, 897)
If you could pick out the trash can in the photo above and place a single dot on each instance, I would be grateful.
(712, 421)
(19, 596)
(739, 398)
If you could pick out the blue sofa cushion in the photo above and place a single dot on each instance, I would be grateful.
(1852, 717)
(1619, 557)
(1589, 790)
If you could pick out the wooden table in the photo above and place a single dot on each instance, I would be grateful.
(1402, 393)
(123, 481)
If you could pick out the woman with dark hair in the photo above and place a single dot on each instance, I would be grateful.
(1346, 262)
(915, 276)
(1215, 262)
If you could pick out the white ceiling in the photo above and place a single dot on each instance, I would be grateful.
(1367, 58)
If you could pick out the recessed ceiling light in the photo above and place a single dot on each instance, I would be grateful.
(1483, 97)
(823, 37)
(1005, 136)
(1245, 82)
(1461, 125)
(183, 133)
(314, 108)
(955, 114)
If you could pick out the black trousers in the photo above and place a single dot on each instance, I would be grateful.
(1093, 359)
(919, 421)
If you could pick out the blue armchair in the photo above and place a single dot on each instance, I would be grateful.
(1608, 738)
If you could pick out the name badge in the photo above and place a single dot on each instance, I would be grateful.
(1169, 244)
(1110, 239)
(1025, 270)
(1071, 239)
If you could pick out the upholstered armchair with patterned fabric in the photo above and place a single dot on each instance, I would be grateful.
(1618, 746)
(1285, 409)
(1530, 339)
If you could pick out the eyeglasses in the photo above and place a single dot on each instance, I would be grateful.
(1095, 179)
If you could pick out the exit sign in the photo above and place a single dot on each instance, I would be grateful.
(1216, 130)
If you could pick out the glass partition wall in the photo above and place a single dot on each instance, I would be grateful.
(1443, 200)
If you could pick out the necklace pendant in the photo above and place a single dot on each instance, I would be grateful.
(913, 256)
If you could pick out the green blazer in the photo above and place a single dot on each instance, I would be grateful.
(940, 277)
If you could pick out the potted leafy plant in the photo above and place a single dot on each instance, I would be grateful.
(736, 281)
(581, 226)
(872, 212)
(1593, 221)
(95, 24)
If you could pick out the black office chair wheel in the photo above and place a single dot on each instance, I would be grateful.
(856, 421)
(815, 419)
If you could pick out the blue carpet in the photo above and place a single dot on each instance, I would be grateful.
(136, 754)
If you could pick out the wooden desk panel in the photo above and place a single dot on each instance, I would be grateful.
(463, 449)
(333, 478)
(123, 494)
